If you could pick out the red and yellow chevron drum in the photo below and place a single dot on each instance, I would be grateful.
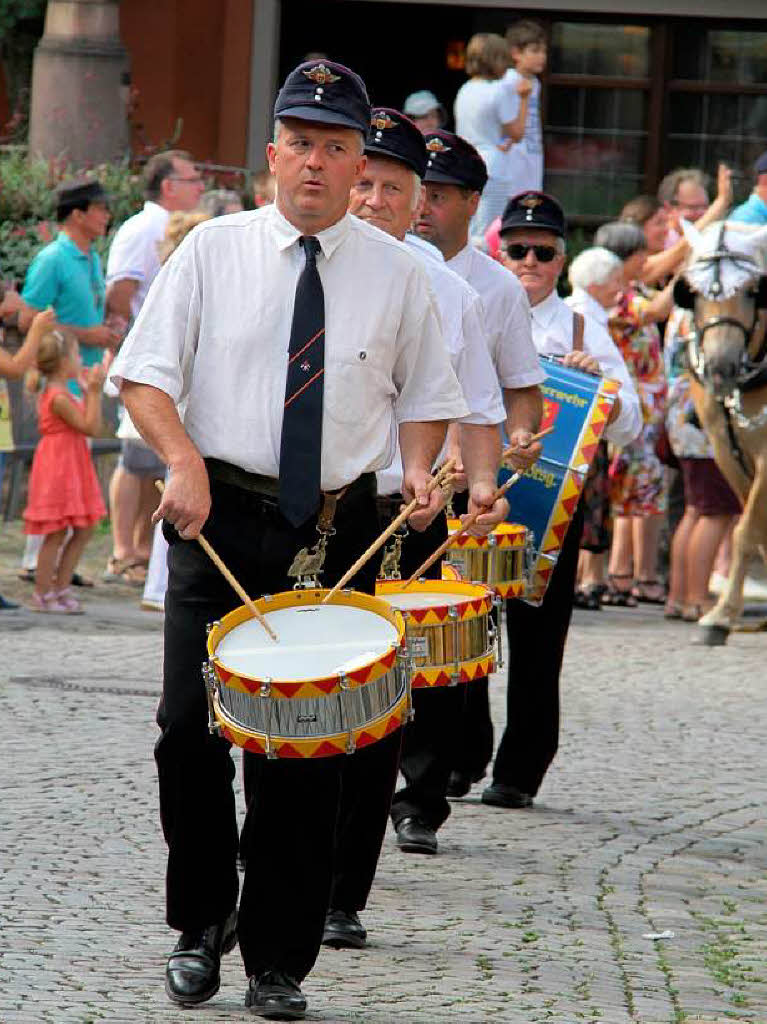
(334, 682)
(500, 560)
(448, 629)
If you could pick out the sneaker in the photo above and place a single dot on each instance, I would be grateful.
(69, 602)
(47, 603)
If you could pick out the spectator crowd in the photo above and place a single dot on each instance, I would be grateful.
(662, 489)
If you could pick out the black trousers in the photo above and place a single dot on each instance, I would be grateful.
(295, 825)
(536, 647)
(428, 739)
(536, 638)
(474, 750)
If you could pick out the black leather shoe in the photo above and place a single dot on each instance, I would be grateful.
(414, 836)
(192, 973)
(458, 785)
(275, 996)
(499, 795)
(6, 605)
(343, 930)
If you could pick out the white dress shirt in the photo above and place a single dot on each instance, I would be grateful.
(460, 313)
(215, 328)
(553, 336)
(133, 254)
(582, 302)
(507, 317)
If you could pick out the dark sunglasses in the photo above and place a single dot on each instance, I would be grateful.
(543, 253)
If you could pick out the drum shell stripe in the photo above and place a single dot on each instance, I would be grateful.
(508, 535)
(325, 746)
(309, 687)
(442, 675)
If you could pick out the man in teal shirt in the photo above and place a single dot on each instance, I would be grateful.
(67, 273)
(754, 210)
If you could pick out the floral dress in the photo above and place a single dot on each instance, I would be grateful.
(686, 437)
(636, 473)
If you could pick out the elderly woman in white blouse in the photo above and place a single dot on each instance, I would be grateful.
(596, 278)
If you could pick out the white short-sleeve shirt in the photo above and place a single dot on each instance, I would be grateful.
(522, 164)
(481, 108)
(133, 254)
(463, 329)
(507, 317)
(215, 329)
(553, 336)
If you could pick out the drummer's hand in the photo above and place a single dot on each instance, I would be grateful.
(414, 486)
(581, 361)
(523, 454)
(186, 499)
(493, 512)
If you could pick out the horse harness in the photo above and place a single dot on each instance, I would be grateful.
(754, 370)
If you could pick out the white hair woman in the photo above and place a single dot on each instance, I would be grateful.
(596, 277)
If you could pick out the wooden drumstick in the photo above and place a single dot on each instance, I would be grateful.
(229, 577)
(459, 533)
(395, 524)
(536, 437)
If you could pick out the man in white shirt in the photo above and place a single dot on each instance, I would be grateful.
(387, 195)
(171, 182)
(533, 240)
(453, 183)
(273, 424)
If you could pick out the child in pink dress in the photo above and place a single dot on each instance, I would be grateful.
(64, 492)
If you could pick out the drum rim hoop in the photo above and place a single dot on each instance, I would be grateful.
(467, 609)
(361, 675)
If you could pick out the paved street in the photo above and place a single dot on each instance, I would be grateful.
(652, 820)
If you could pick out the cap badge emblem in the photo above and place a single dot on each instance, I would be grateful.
(382, 121)
(437, 146)
(322, 75)
(530, 202)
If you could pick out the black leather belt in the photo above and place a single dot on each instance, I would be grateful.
(269, 487)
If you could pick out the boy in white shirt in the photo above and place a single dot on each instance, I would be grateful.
(523, 163)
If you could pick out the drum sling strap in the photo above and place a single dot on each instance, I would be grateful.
(578, 325)
(308, 563)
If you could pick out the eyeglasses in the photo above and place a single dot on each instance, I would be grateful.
(543, 253)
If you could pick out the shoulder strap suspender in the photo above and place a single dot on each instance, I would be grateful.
(578, 325)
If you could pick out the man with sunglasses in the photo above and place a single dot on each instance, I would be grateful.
(533, 235)
(453, 183)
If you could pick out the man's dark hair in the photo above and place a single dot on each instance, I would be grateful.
(524, 33)
(160, 167)
(78, 194)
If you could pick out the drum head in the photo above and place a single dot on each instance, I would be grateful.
(316, 641)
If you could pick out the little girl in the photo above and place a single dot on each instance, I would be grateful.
(64, 492)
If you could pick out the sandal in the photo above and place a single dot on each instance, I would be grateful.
(649, 591)
(121, 570)
(589, 596)
(692, 612)
(619, 597)
(673, 610)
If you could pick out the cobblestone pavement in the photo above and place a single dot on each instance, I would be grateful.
(652, 819)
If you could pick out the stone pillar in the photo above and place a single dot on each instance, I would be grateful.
(80, 84)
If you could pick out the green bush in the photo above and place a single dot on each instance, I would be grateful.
(28, 209)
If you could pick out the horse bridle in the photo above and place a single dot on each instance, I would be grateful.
(750, 368)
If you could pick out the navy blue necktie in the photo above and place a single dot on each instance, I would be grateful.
(301, 441)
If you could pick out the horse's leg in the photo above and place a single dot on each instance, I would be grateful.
(748, 536)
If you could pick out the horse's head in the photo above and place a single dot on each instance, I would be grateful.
(725, 285)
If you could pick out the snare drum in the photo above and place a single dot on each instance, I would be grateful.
(336, 680)
(500, 560)
(449, 634)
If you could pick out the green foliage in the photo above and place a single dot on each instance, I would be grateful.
(28, 209)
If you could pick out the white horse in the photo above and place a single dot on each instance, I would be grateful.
(725, 285)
